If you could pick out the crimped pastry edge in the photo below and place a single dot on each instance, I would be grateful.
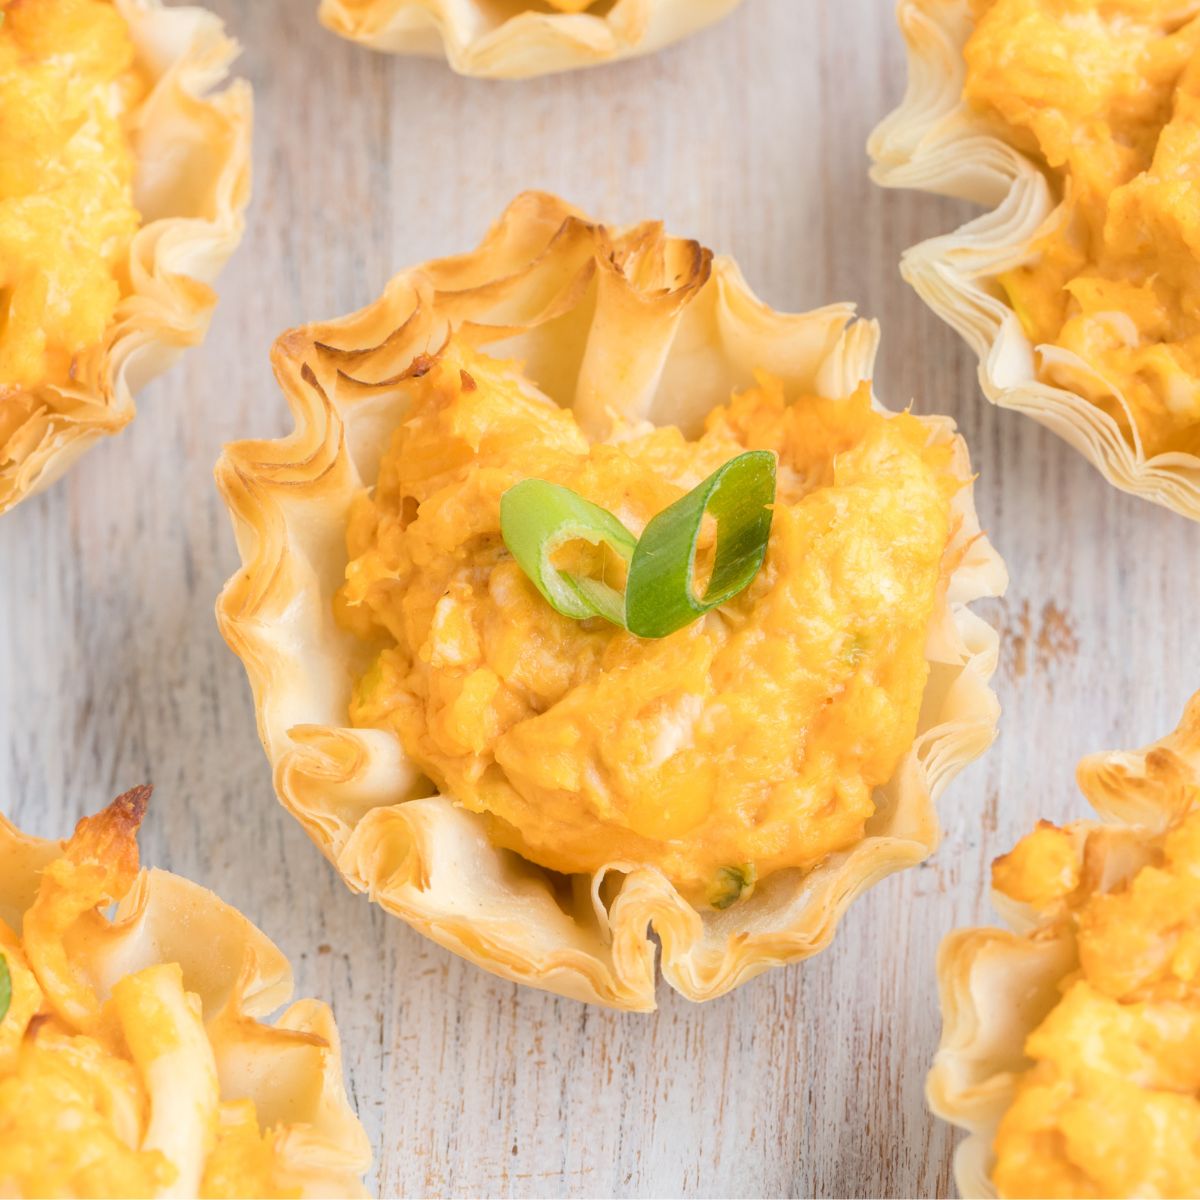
(523, 45)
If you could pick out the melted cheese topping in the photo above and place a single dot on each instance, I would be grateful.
(67, 83)
(1106, 95)
(118, 1098)
(1112, 1105)
(747, 742)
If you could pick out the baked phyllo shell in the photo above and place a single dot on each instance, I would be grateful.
(515, 39)
(600, 317)
(937, 142)
(998, 985)
(54, 896)
(191, 143)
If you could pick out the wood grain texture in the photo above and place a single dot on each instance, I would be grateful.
(749, 137)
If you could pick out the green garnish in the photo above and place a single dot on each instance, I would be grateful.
(731, 884)
(5, 987)
(661, 594)
(856, 650)
(539, 518)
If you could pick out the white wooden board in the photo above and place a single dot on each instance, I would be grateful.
(749, 137)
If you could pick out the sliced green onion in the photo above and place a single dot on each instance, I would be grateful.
(5, 987)
(538, 518)
(731, 884)
(660, 596)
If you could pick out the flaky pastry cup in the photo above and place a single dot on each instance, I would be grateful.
(191, 143)
(997, 985)
(516, 39)
(290, 1067)
(935, 142)
(599, 316)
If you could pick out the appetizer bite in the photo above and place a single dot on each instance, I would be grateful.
(132, 1059)
(1078, 122)
(590, 595)
(123, 178)
(1069, 1049)
(516, 39)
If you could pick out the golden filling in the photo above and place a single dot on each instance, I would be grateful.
(1112, 1105)
(111, 1099)
(67, 84)
(1106, 94)
(746, 742)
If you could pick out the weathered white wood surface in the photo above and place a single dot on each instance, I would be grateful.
(749, 137)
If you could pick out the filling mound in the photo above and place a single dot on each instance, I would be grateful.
(1105, 94)
(67, 85)
(1112, 1105)
(746, 742)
